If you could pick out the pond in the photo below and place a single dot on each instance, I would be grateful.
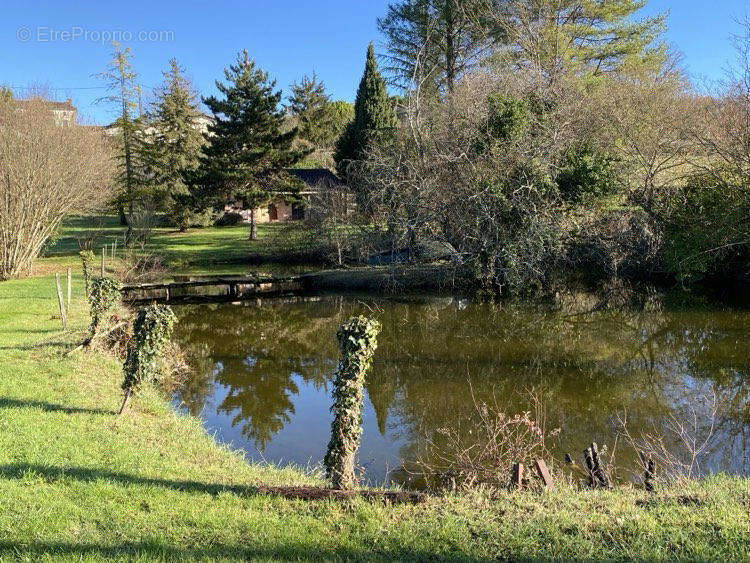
(263, 370)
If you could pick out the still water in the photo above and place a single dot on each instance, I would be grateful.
(262, 374)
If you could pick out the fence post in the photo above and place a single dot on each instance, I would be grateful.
(61, 302)
(70, 286)
(102, 270)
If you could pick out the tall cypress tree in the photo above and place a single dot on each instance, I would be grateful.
(248, 153)
(175, 143)
(374, 114)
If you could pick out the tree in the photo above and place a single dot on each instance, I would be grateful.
(6, 94)
(432, 42)
(48, 172)
(247, 153)
(309, 104)
(374, 115)
(175, 143)
(121, 82)
(590, 39)
(340, 114)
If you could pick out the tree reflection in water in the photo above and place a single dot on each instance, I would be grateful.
(590, 362)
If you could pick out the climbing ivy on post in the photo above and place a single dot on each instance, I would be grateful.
(152, 330)
(87, 259)
(357, 341)
(104, 295)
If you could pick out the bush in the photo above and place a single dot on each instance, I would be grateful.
(229, 219)
(103, 298)
(152, 330)
(585, 174)
(707, 229)
(185, 218)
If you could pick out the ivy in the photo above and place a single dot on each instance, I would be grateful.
(357, 340)
(152, 330)
(103, 297)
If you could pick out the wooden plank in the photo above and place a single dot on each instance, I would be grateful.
(541, 466)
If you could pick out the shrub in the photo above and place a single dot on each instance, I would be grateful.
(152, 330)
(707, 229)
(586, 173)
(229, 219)
(104, 296)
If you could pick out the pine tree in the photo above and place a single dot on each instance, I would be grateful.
(587, 38)
(374, 115)
(121, 81)
(432, 41)
(175, 143)
(308, 103)
(247, 152)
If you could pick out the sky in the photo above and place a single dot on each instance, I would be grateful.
(63, 45)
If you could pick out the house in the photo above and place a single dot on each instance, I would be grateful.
(64, 113)
(278, 209)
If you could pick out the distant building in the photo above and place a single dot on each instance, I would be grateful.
(279, 210)
(201, 123)
(64, 113)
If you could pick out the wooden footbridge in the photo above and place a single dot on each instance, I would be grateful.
(237, 288)
(212, 288)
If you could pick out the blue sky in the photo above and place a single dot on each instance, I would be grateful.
(288, 38)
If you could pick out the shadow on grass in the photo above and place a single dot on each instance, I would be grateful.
(8, 403)
(309, 493)
(282, 549)
(85, 474)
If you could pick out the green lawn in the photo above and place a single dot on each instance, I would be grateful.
(78, 483)
(198, 251)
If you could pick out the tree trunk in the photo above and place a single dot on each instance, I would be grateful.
(123, 217)
(253, 225)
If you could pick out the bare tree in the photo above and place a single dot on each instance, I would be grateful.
(46, 172)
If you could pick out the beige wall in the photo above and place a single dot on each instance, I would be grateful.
(262, 215)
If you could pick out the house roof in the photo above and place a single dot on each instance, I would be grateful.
(316, 176)
(66, 105)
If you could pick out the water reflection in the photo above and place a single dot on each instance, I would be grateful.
(263, 372)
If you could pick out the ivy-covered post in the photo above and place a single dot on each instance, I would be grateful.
(357, 341)
(152, 330)
(103, 296)
(87, 259)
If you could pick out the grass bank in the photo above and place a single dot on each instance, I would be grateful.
(197, 251)
(77, 483)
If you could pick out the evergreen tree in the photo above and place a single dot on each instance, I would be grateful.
(175, 143)
(121, 82)
(248, 153)
(584, 37)
(340, 114)
(374, 115)
(308, 103)
(432, 41)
